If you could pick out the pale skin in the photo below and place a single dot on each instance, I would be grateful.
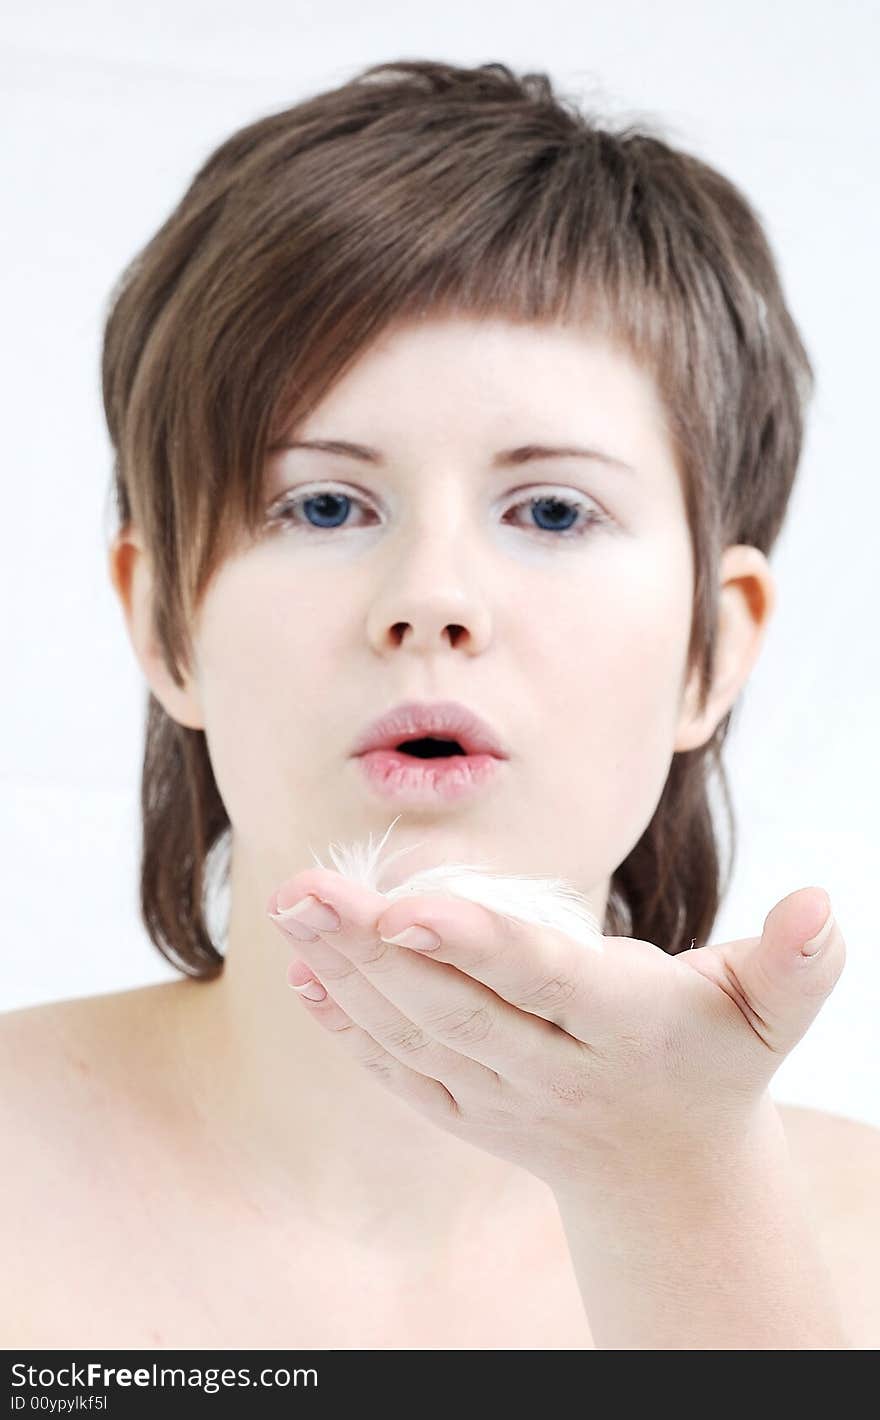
(300, 639)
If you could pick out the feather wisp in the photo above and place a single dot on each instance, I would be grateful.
(543, 902)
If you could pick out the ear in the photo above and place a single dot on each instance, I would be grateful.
(746, 602)
(131, 577)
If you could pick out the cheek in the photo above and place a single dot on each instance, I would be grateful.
(264, 700)
(613, 669)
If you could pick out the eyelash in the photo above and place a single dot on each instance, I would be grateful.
(291, 503)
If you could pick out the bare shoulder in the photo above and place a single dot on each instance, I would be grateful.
(76, 1077)
(838, 1149)
(82, 1088)
(70, 1074)
(49, 1050)
(837, 1160)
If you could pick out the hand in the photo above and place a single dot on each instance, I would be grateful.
(576, 1066)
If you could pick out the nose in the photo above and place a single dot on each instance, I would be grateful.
(431, 600)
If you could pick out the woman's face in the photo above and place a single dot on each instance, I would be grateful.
(429, 575)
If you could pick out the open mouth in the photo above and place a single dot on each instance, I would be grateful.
(428, 747)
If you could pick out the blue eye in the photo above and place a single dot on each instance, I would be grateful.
(325, 507)
(323, 512)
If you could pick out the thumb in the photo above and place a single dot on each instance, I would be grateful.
(787, 973)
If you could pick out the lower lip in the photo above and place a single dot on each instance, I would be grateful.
(408, 780)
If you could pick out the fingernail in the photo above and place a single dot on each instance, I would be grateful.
(815, 944)
(312, 990)
(418, 939)
(310, 912)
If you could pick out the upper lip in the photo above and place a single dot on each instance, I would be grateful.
(412, 719)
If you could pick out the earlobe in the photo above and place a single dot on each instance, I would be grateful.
(131, 578)
(746, 601)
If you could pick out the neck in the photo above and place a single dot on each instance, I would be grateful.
(304, 1132)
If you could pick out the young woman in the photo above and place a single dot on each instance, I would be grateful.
(435, 397)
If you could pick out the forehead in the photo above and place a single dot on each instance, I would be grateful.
(458, 382)
(500, 353)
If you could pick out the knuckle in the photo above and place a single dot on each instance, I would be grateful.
(569, 1088)
(466, 1025)
(375, 954)
(407, 1038)
(338, 1024)
(333, 972)
(820, 977)
(378, 1063)
(551, 992)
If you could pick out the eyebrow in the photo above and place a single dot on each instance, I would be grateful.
(506, 458)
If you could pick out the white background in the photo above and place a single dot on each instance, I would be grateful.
(107, 111)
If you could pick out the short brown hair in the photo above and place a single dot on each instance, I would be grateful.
(421, 187)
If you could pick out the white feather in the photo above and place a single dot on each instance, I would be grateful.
(544, 902)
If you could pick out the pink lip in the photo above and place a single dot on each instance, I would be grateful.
(410, 781)
(412, 719)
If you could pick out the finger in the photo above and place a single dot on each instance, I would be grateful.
(535, 969)
(389, 1027)
(447, 1005)
(781, 985)
(358, 904)
(426, 1094)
